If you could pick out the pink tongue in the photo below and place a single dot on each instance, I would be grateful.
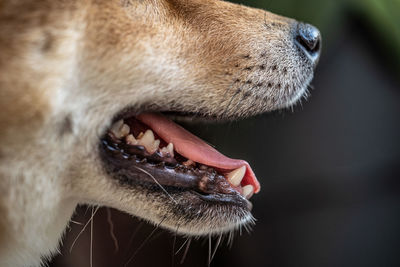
(192, 147)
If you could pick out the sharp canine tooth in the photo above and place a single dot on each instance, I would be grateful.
(248, 191)
(131, 140)
(235, 177)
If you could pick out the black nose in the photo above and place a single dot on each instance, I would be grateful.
(308, 38)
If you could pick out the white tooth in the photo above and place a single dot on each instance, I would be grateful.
(170, 148)
(235, 177)
(147, 140)
(248, 191)
(131, 140)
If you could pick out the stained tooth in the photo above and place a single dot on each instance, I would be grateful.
(154, 146)
(168, 151)
(119, 129)
(248, 191)
(164, 152)
(131, 140)
(188, 162)
(140, 135)
(235, 177)
(125, 129)
(147, 140)
(115, 127)
(203, 167)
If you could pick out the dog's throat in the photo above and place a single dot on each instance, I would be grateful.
(151, 148)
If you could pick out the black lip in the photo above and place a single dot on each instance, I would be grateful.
(130, 168)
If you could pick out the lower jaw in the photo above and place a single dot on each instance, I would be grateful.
(132, 167)
(182, 207)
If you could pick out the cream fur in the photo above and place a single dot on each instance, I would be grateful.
(67, 67)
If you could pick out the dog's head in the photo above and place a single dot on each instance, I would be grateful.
(75, 72)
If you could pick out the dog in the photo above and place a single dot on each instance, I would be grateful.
(88, 89)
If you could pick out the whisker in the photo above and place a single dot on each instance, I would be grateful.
(173, 247)
(247, 228)
(155, 180)
(216, 247)
(114, 238)
(156, 236)
(91, 239)
(83, 229)
(131, 239)
(144, 242)
(186, 251)
(230, 239)
(180, 248)
(209, 251)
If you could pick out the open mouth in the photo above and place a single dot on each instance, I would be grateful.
(150, 148)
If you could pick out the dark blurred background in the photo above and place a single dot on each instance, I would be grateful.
(329, 171)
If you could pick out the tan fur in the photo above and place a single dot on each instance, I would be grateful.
(67, 67)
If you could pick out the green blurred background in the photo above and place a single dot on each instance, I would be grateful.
(330, 171)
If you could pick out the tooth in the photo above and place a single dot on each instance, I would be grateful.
(120, 129)
(168, 151)
(155, 146)
(248, 191)
(125, 129)
(131, 140)
(117, 125)
(164, 152)
(188, 162)
(140, 135)
(115, 128)
(148, 136)
(235, 177)
(170, 148)
(147, 140)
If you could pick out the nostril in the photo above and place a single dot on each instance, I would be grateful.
(309, 37)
